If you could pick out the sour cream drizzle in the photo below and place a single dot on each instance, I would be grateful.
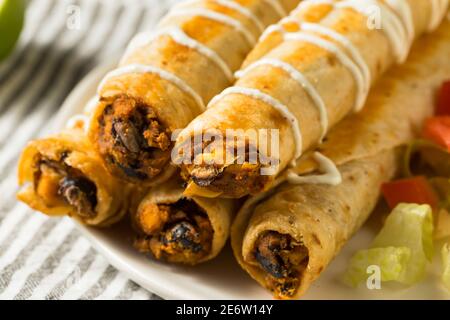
(437, 13)
(292, 19)
(403, 9)
(180, 37)
(396, 19)
(276, 104)
(331, 174)
(231, 5)
(391, 24)
(140, 68)
(219, 17)
(355, 54)
(341, 56)
(301, 80)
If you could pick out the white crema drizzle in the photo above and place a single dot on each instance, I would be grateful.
(331, 174)
(279, 27)
(403, 9)
(163, 74)
(276, 104)
(180, 37)
(219, 17)
(301, 80)
(438, 11)
(231, 5)
(391, 23)
(341, 56)
(398, 25)
(355, 54)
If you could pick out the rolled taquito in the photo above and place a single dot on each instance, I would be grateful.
(286, 239)
(305, 76)
(61, 175)
(180, 229)
(166, 77)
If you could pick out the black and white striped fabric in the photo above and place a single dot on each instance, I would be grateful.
(42, 258)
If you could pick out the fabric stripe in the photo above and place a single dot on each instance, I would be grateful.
(61, 235)
(21, 236)
(60, 270)
(115, 286)
(89, 279)
(107, 277)
(36, 275)
(16, 274)
(79, 270)
(15, 218)
(127, 291)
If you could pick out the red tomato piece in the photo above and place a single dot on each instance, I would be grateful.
(443, 103)
(414, 190)
(437, 129)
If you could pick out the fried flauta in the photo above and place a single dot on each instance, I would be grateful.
(61, 175)
(183, 230)
(307, 73)
(166, 77)
(287, 239)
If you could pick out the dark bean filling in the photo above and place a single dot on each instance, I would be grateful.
(180, 232)
(80, 193)
(57, 184)
(206, 175)
(236, 180)
(133, 141)
(283, 260)
(182, 235)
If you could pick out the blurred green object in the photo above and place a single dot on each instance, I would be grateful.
(12, 14)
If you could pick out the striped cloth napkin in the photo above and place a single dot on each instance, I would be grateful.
(42, 258)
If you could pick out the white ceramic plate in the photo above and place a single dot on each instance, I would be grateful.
(223, 278)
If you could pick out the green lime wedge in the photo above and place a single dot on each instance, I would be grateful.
(12, 14)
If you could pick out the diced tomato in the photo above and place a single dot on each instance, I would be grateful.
(443, 103)
(437, 129)
(414, 190)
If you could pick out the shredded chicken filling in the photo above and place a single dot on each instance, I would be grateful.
(179, 232)
(133, 140)
(283, 259)
(59, 184)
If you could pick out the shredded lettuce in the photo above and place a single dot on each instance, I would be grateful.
(391, 261)
(427, 158)
(442, 188)
(442, 216)
(401, 250)
(446, 265)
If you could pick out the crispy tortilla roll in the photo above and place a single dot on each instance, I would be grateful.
(286, 239)
(306, 75)
(166, 78)
(183, 230)
(293, 235)
(61, 175)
